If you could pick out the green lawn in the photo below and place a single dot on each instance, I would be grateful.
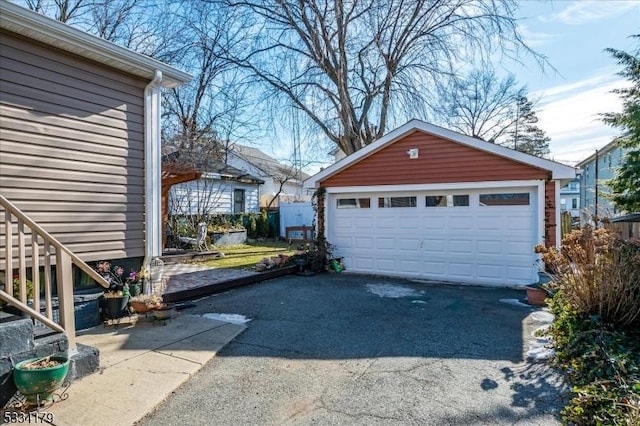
(245, 256)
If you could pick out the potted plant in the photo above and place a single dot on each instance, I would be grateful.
(134, 281)
(538, 293)
(38, 378)
(144, 303)
(115, 300)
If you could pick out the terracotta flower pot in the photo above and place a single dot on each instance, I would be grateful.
(536, 296)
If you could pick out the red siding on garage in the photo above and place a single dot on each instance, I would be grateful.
(550, 213)
(440, 161)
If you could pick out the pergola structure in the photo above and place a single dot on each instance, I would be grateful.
(173, 174)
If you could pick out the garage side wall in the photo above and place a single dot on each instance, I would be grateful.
(550, 213)
(72, 148)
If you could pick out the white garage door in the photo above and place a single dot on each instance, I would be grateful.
(477, 236)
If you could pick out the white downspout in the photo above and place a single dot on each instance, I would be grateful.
(152, 168)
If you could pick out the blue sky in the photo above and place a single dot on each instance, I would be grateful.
(573, 35)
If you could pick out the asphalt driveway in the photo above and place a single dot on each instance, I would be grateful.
(341, 349)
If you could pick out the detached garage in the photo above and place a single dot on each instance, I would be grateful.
(425, 202)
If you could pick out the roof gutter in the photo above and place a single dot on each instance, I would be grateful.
(152, 168)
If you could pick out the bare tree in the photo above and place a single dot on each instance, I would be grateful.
(498, 111)
(480, 105)
(206, 111)
(60, 10)
(351, 67)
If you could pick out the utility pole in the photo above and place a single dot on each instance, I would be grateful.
(515, 137)
(595, 182)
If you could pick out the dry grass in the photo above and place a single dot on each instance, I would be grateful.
(245, 256)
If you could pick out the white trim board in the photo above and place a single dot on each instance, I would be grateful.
(435, 186)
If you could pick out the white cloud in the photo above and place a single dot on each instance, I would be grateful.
(570, 114)
(535, 39)
(579, 12)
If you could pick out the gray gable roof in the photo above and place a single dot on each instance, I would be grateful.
(269, 165)
(210, 167)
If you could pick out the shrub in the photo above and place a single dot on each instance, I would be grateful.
(252, 227)
(598, 273)
(602, 363)
(263, 225)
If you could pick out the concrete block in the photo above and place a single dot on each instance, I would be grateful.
(15, 337)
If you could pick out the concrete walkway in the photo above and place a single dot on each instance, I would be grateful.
(140, 365)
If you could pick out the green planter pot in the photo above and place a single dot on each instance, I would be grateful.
(38, 385)
(135, 289)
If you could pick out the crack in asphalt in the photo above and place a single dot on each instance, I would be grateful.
(279, 350)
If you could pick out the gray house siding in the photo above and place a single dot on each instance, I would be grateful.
(72, 148)
(609, 161)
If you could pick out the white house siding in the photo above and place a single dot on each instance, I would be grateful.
(210, 196)
(270, 187)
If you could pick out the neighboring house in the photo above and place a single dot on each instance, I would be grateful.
(599, 168)
(80, 136)
(428, 203)
(280, 181)
(221, 189)
(570, 198)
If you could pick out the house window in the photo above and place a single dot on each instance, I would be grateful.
(397, 202)
(353, 203)
(574, 203)
(238, 201)
(447, 200)
(509, 199)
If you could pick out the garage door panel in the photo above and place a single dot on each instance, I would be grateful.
(488, 247)
(490, 272)
(363, 242)
(387, 265)
(460, 246)
(367, 223)
(343, 242)
(486, 244)
(363, 263)
(408, 223)
(519, 247)
(461, 270)
(461, 222)
(434, 246)
(432, 268)
(385, 223)
(407, 244)
(487, 224)
(430, 222)
(409, 266)
(518, 273)
(519, 223)
(385, 243)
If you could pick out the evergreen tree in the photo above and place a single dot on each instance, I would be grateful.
(525, 135)
(625, 186)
